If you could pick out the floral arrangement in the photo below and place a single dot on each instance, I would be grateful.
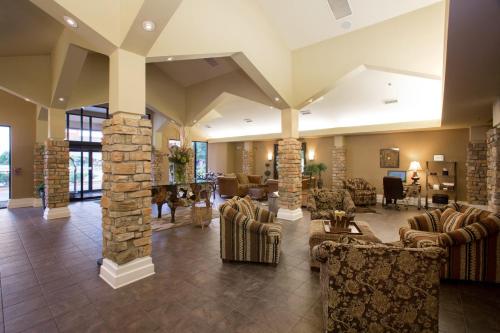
(179, 155)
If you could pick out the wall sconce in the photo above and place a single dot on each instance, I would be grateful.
(269, 156)
(311, 155)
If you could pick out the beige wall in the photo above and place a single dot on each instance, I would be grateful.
(363, 153)
(221, 157)
(21, 117)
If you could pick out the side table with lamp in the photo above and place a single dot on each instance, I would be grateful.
(414, 190)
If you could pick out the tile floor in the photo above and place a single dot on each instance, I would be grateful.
(49, 282)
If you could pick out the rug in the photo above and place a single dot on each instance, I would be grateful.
(365, 209)
(182, 219)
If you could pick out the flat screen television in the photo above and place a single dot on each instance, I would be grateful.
(397, 173)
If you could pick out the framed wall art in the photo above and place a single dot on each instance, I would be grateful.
(438, 157)
(389, 158)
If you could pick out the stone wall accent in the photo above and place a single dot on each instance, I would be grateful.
(38, 161)
(56, 173)
(493, 180)
(477, 168)
(247, 159)
(126, 199)
(157, 166)
(289, 175)
(338, 167)
(190, 167)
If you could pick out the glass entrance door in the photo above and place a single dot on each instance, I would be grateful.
(85, 174)
(4, 166)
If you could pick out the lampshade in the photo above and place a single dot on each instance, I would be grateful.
(269, 156)
(311, 155)
(415, 166)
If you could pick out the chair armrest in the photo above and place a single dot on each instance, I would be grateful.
(263, 215)
(429, 221)
(311, 203)
(348, 204)
(417, 238)
(470, 233)
(262, 229)
(322, 251)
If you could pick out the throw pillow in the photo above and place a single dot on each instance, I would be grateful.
(246, 207)
(242, 178)
(453, 220)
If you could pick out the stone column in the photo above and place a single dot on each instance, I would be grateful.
(289, 174)
(157, 166)
(126, 153)
(38, 173)
(493, 180)
(477, 168)
(247, 158)
(56, 163)
(339, 168)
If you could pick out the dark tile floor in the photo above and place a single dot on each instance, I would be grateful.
(49, 282)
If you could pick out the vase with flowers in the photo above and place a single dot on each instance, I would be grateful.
(179, 157)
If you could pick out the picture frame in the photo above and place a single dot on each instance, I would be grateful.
(389, 158)
(438, 158)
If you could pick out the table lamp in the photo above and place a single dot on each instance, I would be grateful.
(415, 167)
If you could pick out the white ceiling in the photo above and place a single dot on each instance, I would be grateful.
(189, 72)
(227, 119)
(305, 22)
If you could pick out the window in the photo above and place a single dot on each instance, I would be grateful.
(200, 149)
(173, 142)
(85, 124)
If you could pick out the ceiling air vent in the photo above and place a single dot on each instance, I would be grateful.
(340, 8)
(305, 112)
(212, 62)
(390, 101)
(247, 120)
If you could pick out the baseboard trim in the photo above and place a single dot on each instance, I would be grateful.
(37, 202)
(118, 276)
(20, 203)
(56, 213)
(290, 214)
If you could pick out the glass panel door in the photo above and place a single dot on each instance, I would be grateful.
(4, 165)
(85, 174)
(96, 170)
(200, 159)
(75, 174)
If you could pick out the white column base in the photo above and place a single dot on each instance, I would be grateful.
(37, 202)
(120, 275)
(290, 214)
(20, 203)
(56, 213)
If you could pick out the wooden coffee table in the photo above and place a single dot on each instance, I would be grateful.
(317, 235)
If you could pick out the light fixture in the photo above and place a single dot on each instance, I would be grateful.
(277, 99)
(170, 58)
(311, 155)
(247, 120)
(194, 121)
(271, 107)
(61, 99)
(27, 100)
(305, 112)
(311, 100)
(148, 25)
(70, 21)
(269, 156)
(415, 168)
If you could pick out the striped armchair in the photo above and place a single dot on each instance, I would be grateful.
(248, 232)
(470, 235)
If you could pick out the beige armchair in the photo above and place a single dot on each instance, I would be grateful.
(237, 185)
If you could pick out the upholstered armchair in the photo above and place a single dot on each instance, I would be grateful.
(248, 232)
(323, 202)
(227, 186)
(470, 236)
(237, 184)
(367, 287)
(362, 193)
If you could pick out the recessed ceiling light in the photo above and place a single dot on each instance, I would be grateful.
(61, 99)
(346, 25)
(277, 99)
(389, 84)
(311, 100)
(27, 100)
(148, 25)
(70, 21)
(170, 58)
(271, 107)
(194, 121)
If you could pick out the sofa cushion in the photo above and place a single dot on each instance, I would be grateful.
(246, 207)
(452, 220)
(242, 178)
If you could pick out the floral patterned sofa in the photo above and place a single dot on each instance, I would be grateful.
(470, 236)
(248, 232)
(367, 287)
(322, 202)
(362, 193)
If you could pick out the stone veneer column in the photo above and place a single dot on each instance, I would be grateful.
(126, 199)
(38, 176)
(247, 158)
(56, 179)
(477, 169)
(493, 180)
(289, 179)
(339, 167)
(157, 159)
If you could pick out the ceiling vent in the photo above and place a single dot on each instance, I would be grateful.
(247, 120)
(390, 101)
(208, 126)
(305, 112)
(340, 8)
(212, 62)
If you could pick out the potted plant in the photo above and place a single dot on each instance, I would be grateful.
(41, 193)
(179, 157)
(315, 169)
(321, 168)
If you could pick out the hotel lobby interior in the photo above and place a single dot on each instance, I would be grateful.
(249, 166)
